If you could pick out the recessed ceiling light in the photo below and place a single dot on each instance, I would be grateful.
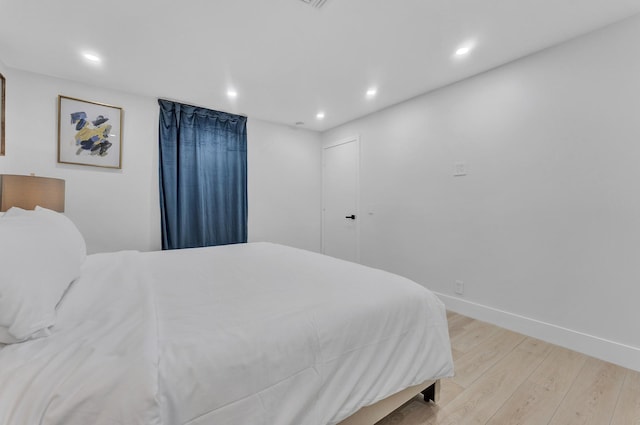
(320, 115)
(463, 50)
(92, 57)
(232, 93)
(372, 92)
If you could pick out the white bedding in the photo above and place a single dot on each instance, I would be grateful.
(252, 334)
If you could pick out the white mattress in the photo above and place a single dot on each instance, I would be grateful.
(256, 334)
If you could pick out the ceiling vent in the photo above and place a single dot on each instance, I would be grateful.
(315, 3)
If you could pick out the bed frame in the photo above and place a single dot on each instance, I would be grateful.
(369, 415)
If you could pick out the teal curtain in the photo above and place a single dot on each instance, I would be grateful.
(203, 176)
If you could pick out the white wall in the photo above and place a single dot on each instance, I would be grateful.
(285, 171)
(114, 209)
(119, 209)
(545, 228)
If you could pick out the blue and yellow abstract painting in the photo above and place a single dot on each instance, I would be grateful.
(92, 136)
(89, 133)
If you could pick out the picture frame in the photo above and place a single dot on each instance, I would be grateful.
(3, 90)
(89, 133)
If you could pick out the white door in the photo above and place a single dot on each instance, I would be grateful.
(340, 199)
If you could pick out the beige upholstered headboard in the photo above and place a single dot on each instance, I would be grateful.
(28, 191)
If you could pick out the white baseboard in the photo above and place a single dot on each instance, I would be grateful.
(610, 351)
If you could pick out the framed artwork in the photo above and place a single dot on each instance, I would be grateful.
(2, 91)
(89, 133)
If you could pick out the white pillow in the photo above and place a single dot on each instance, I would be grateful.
(41, 253)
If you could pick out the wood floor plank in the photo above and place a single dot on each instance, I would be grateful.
(449, 390)
(482, 399)
(456, 354)
(522, 407)
(474, 363)
(593, 395)
(458, 325)
(474, 334)
(628, 407)
(559, 370)
(523, 384)
(538, 398)
(452, 316)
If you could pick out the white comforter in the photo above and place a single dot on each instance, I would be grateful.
(253, 334)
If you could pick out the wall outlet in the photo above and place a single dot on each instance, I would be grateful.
(459, 287)
(459, 169)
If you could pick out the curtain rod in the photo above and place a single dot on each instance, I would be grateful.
(201, 106)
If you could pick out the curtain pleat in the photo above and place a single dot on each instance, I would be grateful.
(203, 176)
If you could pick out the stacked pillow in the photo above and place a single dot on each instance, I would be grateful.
(41, 253)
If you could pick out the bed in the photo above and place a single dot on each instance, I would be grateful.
(257, 333)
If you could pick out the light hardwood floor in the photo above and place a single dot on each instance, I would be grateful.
(505, 378)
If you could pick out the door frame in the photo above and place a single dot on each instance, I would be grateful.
(356, 140)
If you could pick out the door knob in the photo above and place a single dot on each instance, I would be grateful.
(352, 216)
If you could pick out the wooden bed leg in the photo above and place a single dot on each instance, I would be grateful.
(432, 393)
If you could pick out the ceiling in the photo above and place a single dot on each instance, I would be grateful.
(287, 60)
